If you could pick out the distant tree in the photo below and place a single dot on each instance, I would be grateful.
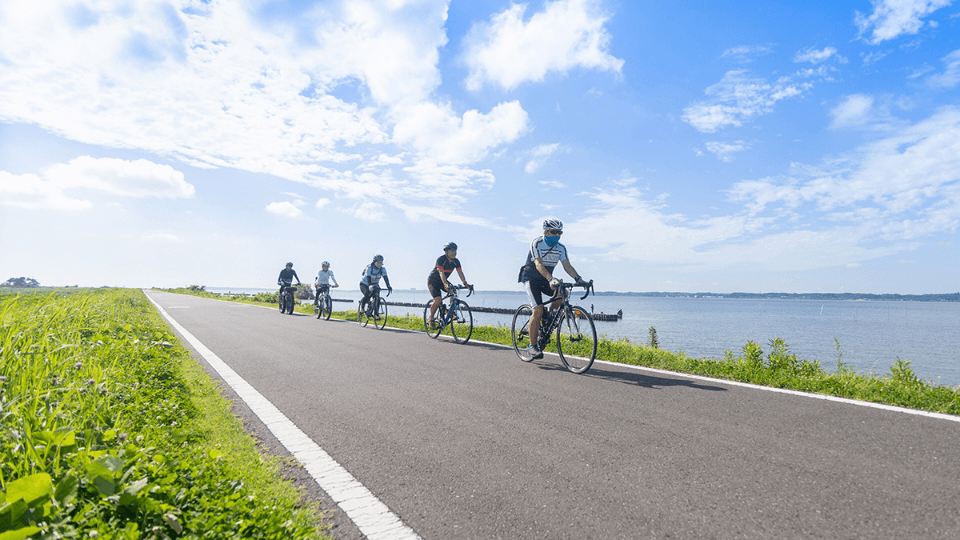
(304, 291)
(197, 287)
(20, 282)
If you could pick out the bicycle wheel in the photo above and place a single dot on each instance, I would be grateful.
(461, 323)
(576, 339)
(290, 304)
(327, 308)
(362, 317)
(380, 313)
(283, 304)
(437, 320)
(520, 331)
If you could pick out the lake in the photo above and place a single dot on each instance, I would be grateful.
(872, 335)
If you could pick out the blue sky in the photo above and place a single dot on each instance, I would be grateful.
(687, 146)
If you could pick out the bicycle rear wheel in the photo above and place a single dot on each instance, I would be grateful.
(362, 317)
(380, 313)
(576, 339)
(520, 332)
(326, 308)
(437, 320)
(461, 323)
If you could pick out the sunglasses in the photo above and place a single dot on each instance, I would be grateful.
(552, 231)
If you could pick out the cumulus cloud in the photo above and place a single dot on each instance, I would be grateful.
(854, 111)
(951, 74)
(893, 18)
(745, 53)
(739, 97)
(140, 178)
(284, 208)
(724, 151)
(567, 34)
(438, 133)
(30, 192)
(161, 237)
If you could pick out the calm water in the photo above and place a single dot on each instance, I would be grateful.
(872, 335)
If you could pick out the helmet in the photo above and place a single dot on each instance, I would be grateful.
(553, 224)
(289, 264)
(378, 258)
(325, 263)
(451, 245)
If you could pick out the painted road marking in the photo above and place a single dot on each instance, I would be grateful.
(372, 517)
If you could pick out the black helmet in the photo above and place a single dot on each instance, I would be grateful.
(451, 245)
(378, 258)
(289, 264)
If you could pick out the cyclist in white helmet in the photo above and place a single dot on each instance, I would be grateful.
(322, 283)
(537, 276)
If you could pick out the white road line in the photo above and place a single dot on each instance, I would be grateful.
(371, 516)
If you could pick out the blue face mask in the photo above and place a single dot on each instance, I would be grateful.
(551, 240)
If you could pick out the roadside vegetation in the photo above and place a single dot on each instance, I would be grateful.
(108, 428)
(775, 367)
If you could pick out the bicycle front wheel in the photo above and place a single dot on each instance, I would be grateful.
(380, 313)
(461, 323)
(576, 339)
(327, 308)
(434, 330)
(362, 317)
(520, 332)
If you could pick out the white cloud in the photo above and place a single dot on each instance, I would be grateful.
(817, 56)
(739, 97)
(854, 111)
(539, 154)
(893, 18)
(745, 53)
(140, 178)
(509, 51)
(438, 133)
(284, 208)
(30, 192)
(724, 151)
(552, 184)
(951, 75)
(322, 202)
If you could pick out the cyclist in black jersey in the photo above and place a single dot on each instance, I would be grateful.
(437, 281)
(537, 275)
(287, 275)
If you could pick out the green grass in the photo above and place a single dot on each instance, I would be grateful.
(777, 367)
(109, 428)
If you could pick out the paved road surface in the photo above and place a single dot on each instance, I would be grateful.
(469, 442)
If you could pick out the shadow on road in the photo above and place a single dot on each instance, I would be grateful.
(635, 378)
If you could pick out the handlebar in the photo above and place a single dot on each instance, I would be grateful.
(460, 288)
(587, 285)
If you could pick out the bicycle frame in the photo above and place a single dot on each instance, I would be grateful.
(453, 296)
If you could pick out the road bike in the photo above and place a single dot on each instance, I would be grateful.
(576, 335)
(323, 307)
(286, 299)
(458, 316)
(374, 309)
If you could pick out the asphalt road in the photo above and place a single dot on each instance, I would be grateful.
(469, 442)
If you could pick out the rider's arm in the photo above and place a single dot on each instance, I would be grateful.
(387, 281)
(296, 276)
(538, 262)
(333, 279)
(463, 279)
(570, 270)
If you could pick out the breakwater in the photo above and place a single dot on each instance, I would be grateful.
(606, 317)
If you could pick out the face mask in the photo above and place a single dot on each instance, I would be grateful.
(551, 240)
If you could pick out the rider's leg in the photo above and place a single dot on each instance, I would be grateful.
(535, 325)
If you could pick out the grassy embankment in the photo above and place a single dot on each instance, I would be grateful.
(776, 367)
(109, 428)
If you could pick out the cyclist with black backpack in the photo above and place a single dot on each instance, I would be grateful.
(545, 253)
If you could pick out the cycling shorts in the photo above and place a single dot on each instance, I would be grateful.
(536, 289)
(435, 286)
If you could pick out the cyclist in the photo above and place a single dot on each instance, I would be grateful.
(437, 280)
(371, 276)
(537, 275)
(286, 277)
(322, 283)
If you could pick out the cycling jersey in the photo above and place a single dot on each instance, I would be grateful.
(446, 265)
(372, 274)
(324, 277)
(286, 276)
(550, 256)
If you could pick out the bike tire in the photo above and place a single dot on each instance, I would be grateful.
(290, 305)
(461, 323)
(283, 306)
(327, 308)
(437, 318)
(520, 331)
(576, 339)
(362, 315)
(380, 314)
(317, 310)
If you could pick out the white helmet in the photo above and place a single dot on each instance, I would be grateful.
(553, 224)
